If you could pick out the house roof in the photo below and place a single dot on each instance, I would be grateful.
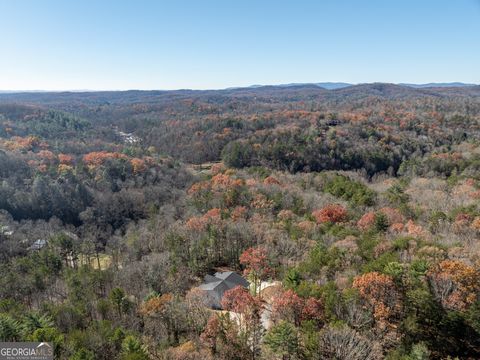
(211, 278)
(38, 244)
(215, 286)
(232, 277)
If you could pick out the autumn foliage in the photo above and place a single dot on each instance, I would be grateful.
(290, 307)
(97, 158)
(46, 155)
(200, 223)
(138, 165)
(455, 284)
(22, 143)
(256, 263)
(366, 221)
(211, 331)
(224, 181)
(353, 213)
(333, 213)
(380, 294)
(393, 216)
(65, 159)
(155, 304)
(247, 308)
(239, 300)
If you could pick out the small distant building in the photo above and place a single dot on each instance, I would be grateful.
(5, 230)
(216, 285)
(38, 244)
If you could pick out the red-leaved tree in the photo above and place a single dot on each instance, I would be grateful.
(288, 306)
(257, 266)
(247, 310)
(333, 213)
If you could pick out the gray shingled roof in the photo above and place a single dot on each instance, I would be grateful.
(232, 277)
(215, 286)
(211, 278)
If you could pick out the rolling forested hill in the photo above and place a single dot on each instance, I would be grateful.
(356, 208)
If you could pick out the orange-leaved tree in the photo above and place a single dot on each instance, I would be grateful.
(380, 293)
(455, 284)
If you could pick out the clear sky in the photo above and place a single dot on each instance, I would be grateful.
(200, 44)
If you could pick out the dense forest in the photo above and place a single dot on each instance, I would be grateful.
(354, 213)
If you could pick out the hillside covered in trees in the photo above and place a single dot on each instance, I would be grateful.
(353, 212)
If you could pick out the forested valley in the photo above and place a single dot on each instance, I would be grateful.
(354, 213)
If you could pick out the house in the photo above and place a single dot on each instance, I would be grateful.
(38, 244)
(216, 285)
(5, 230)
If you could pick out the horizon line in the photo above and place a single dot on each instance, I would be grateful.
(410, 84)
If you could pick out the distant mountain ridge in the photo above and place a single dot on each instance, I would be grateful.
(341, 85)
(452, 84)
(323, 85)
(68, 100)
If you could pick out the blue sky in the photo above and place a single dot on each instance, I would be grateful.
(202, 44)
